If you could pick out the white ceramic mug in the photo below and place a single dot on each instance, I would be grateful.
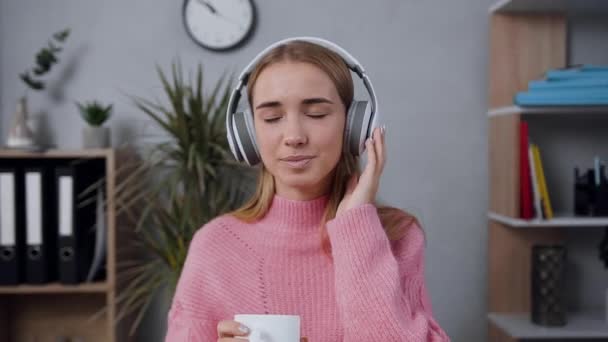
(271, 328)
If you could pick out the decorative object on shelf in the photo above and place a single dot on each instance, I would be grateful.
(219, 25)
(548, 285)
(20, 135)
(95, 135)
(591, 191)
(186, 180)
(45, 59)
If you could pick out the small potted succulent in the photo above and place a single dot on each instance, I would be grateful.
(95, 135)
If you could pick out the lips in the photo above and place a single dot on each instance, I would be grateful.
(297, 162)
(296, 158)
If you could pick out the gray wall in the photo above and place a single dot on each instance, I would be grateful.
(428, 61)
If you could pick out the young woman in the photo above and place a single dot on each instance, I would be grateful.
(311, 241)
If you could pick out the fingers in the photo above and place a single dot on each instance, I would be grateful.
(229, 328)
(375, 152)
(379, 148)
(371, 150)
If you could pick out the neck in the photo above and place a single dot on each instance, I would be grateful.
(306, 193)
(296, 215)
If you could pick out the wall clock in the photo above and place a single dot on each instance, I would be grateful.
(219, 25)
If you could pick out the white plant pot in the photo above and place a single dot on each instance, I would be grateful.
(95, 137)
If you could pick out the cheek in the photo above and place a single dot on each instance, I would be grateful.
(267, 140)
(329, 141)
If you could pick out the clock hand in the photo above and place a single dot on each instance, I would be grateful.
(214, 11)
(208, 5)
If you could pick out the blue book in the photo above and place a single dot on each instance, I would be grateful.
(579, 71)
(593, 67)
(569, 83)
(547, 98)
(572, 92)
(557, 75)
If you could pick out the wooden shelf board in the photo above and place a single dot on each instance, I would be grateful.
(550, 6)
(88, 153)
(558, 222)
(55, 288)
(511, 110)
(590, 324)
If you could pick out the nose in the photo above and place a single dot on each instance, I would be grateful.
(294, 134)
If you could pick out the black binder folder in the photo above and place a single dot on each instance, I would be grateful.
(40, 225)
(77, 209)
(12, 235)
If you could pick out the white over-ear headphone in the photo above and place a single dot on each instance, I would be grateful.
(361, 119)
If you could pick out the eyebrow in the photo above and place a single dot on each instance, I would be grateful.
(314, 100)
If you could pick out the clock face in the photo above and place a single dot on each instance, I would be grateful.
(219, 24)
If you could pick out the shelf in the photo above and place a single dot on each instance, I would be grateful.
(580, 325)
(511, 110)
(54, 288)
(557, 222)
(548, 6)
(87, 153)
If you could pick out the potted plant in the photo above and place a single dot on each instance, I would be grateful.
(94, 135)
(20, 135)
(181, 183)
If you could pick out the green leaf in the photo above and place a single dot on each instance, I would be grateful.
(190, 178)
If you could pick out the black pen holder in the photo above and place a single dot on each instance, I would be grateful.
(590, 199)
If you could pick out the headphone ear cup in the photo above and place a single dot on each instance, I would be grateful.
(245, 138)
(357, 127)
(232, 139)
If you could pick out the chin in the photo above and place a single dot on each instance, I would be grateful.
(305, 180)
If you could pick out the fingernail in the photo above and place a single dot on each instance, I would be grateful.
(243, 329)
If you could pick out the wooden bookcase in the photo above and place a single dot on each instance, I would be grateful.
(527, 37)
(42, 313)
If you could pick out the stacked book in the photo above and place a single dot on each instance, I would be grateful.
(584, 85)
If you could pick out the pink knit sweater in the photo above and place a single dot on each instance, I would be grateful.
(373, 289)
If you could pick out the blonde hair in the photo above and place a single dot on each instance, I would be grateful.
(395, 221)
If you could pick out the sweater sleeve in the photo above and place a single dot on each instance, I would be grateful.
(184, 327)
(380, 287)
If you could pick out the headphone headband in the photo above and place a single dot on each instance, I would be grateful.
(350, 61)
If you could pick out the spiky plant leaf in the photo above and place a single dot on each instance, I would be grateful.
(184, 182)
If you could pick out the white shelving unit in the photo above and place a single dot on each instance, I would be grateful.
(547, 6)
(511, 110)
(579, 325)
(557, 222)
(527, 38)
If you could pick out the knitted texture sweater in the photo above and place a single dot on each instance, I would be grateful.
(371, 289)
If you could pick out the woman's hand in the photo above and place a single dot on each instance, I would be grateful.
(362, 189)
(228, 330)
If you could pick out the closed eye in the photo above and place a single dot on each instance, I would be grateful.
(317, 116)
(272, 119)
